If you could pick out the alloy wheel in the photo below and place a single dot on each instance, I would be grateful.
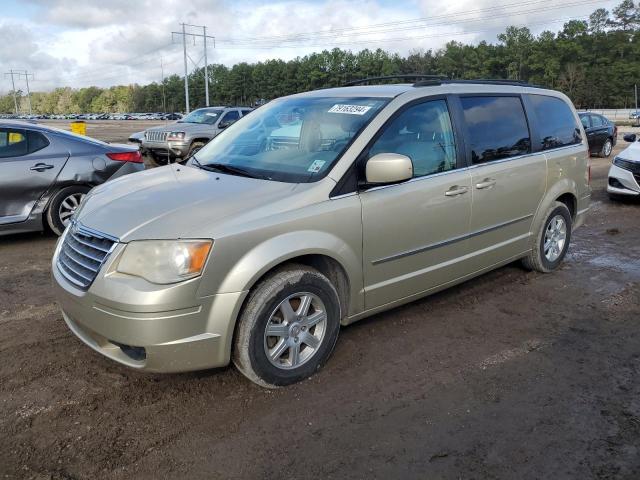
(555, 238)
(69, 206)
(295, 330)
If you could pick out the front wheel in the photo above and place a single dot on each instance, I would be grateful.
(288, 327)
(63, 205)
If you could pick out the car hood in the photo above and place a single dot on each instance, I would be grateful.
(178, 201)
(631, 153)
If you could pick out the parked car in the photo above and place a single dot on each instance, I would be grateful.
(172, 116)
(624, 173)
(602, 133)
(178, 141)
(634, 115)
(45, 173)
(258, 249)
(136, 137)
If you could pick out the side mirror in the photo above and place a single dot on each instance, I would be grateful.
(388, 168)
(630, 137)
(223, 125)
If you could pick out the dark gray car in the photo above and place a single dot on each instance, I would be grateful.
(45, 173)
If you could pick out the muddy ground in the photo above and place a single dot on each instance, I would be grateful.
(513, 375)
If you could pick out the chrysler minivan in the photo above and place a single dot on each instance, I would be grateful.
(317, 210)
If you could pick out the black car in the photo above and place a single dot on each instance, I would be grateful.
(601, 133)
(45, 173)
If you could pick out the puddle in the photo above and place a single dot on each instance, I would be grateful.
(631, 267)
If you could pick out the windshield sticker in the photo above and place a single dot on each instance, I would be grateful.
(349, 109)
(211, 114)
(316, 166)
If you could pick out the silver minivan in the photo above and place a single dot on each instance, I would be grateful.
(317, 210)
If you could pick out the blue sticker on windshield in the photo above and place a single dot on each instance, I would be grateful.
(316, 166)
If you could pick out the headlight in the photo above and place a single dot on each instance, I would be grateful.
(165, 261)
(175, 136)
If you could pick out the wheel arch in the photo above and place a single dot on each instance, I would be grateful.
(564, 191)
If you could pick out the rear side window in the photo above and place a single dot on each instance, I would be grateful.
(497, 128)
(13, 142)
(556, 122)
(246, 112)
(37, 141)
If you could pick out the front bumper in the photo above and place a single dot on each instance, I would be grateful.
(626, 182)
(165, 328)
(172, 149)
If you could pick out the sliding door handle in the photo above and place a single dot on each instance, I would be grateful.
(486, 183)
(455, 191)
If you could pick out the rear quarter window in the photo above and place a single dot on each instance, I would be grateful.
(37, 141)
(556, 123)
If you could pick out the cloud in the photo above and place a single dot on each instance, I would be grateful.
(66, 42)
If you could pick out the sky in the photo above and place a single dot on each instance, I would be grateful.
(114, 42)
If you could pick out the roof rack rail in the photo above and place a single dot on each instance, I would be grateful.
(479, 81)
(414, 76)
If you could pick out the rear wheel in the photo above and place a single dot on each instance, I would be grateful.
(288, 327)
(552, 241)
(63, 205)
(607, 148)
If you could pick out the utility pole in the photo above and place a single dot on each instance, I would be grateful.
(164, 98)
(206, 74)
(204, 36)
(186, 74)
(13, 87)
(637, 117)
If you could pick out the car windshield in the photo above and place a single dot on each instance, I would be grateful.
(290, 140)
(203, 115)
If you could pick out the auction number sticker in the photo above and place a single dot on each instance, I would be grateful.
(316, 166)
(349, 109)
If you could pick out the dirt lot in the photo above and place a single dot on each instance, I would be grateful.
(511, 375)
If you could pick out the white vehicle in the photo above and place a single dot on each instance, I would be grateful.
(624, 174)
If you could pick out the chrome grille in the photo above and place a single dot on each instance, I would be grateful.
(154, 136)
(82, 255)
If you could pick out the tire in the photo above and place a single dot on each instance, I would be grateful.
(606, 149)
(266, 306)
(193, 149)
(62, 206)
(543, 262)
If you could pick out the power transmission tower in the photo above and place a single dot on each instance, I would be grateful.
(13, 88)
(204, 36)
(26, 77)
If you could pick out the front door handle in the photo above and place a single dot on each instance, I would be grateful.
(486, 183)
(41, 167)
(455, 191)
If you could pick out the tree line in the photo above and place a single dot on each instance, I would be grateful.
(595, 62)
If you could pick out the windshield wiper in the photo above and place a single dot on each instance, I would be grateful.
(226, 168)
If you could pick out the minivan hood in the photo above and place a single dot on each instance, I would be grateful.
(175, 201)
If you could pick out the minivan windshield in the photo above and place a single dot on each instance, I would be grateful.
(292, 140)
(203, 115)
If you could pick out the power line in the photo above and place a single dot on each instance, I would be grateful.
(401, 25)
